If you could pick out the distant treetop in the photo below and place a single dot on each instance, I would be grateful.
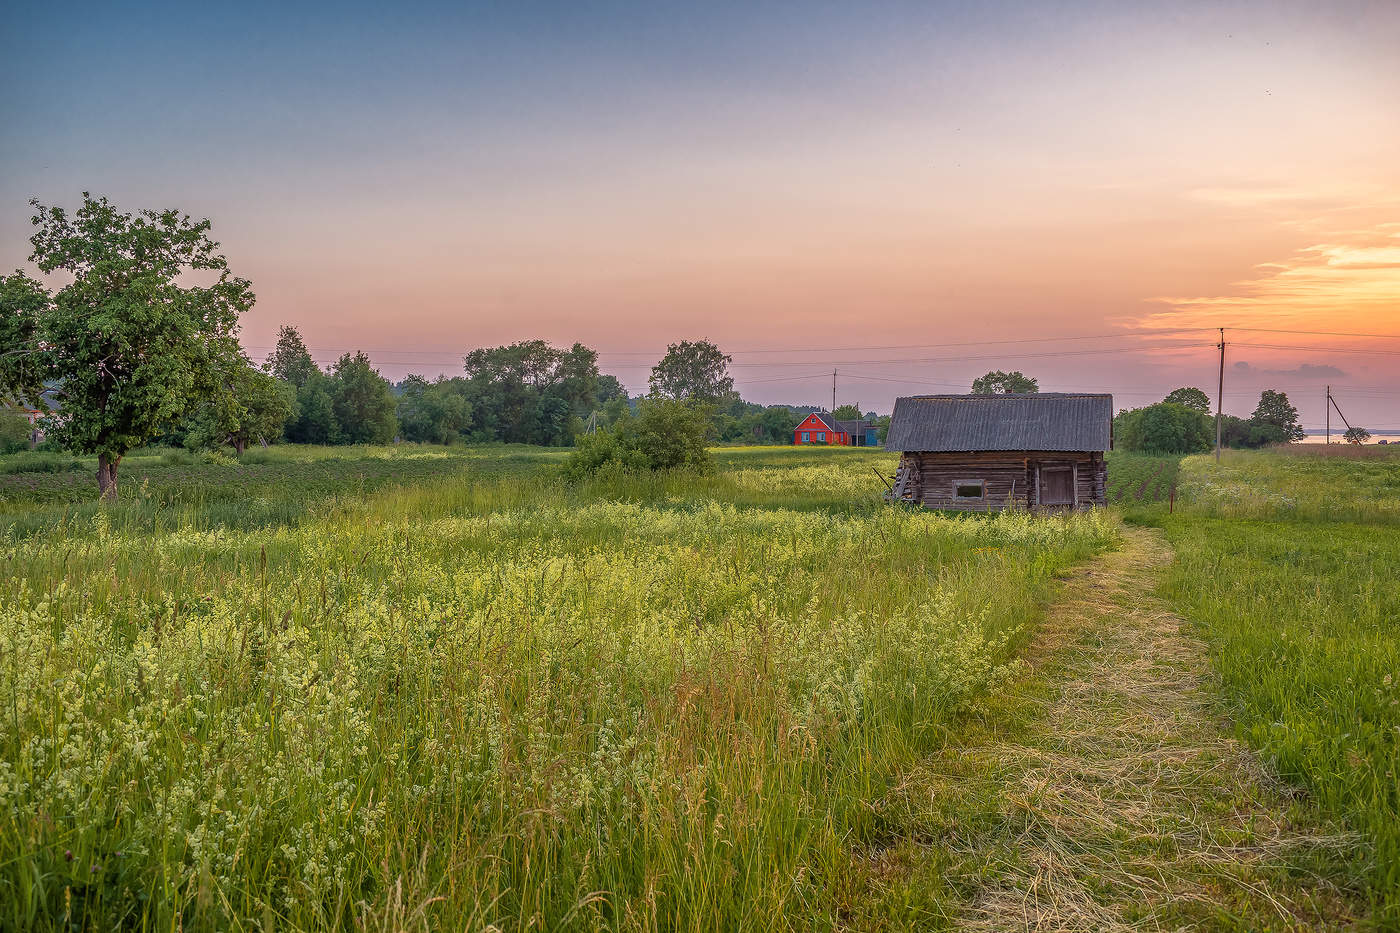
(997, 382)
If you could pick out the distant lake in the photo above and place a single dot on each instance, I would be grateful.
(1337, 438)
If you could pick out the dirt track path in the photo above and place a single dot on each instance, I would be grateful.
(1110, 796)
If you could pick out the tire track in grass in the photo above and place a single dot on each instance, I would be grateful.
(1104, 792)
(1142, 490)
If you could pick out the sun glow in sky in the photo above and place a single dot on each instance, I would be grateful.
(893, 190)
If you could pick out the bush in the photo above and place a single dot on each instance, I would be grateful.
(41, 461)
(1164, 428)
(665, 434)
(14, 433)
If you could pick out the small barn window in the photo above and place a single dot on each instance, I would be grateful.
(969, 489)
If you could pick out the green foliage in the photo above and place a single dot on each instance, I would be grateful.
(291, 360)
(1276, 419)
(997, 382)
(23, 364)
(610, 388)
(695, 371)
(1356, 435)
(133, 341)
(665, 434)
(847, 413)
(313, 420)
(14, 432)
(1163, 428)
(251, 406)
(737, 421)
(434, 412)
(773, 425)
(1243, 433)
(531, 392)
(363, 401)
(1192, 398)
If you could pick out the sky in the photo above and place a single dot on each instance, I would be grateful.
(909, 194)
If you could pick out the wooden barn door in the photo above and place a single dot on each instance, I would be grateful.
(1057, 485)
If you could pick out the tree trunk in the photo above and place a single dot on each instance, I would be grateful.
(240, 445)
(107, 476)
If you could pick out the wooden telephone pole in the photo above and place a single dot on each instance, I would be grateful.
(1328, 408)
(1219, 395)
(833, 391)
(1334, 404)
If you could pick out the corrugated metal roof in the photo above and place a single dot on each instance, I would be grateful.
(1042, 421)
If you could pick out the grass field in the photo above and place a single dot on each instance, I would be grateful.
(1134, 479)
(412, 688)
(1289, 562)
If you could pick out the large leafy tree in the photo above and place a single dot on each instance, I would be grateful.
(847, 413)
(1276, 419)
(23, 363)
(433, 412)
(363, 400)
(135, 340)
(997, 382)
(692, 371)
(1191, 397)
(531, 392)
(251, 405)
(1163, 428)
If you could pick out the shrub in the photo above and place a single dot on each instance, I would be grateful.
(41, 461)
(14, 433)
(665, 434)
(1163, 428)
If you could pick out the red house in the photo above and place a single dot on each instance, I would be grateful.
(820, 428)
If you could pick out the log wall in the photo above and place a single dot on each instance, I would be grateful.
(1012, 479)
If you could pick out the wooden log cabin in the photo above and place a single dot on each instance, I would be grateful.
(978, 453)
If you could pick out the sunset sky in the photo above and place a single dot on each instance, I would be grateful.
(892, 190)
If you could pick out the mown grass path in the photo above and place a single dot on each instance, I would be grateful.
(1106, 792)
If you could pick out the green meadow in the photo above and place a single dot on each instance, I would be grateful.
(1288, 561)
(420, 688)
(411, 688)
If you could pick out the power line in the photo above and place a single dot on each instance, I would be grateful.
(1316, 333)
(1279, 346)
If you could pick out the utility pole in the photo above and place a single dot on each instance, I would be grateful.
(833, 391)
(1339, 409)
(1328, 408)
(1220, 395)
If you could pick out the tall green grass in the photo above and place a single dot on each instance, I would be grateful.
(484, 699)
(1289, 561)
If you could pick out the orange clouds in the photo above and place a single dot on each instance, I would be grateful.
(1348, 282)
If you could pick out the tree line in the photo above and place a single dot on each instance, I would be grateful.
(1182, 424)
(141, 345)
